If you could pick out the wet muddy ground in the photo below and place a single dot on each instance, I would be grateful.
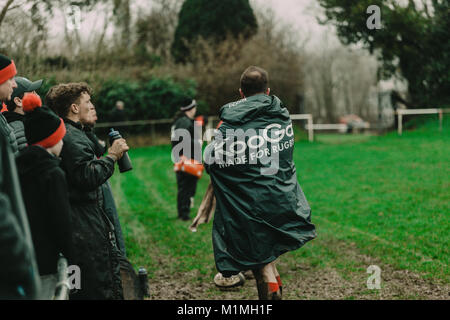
(302, 281)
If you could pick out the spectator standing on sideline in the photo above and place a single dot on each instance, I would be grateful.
(95, 249)
(261, 211)
(109, 203)
(15, 113)
(44, 190)
(7, 84)
(18, 270)
(118, 114)
(185, 146)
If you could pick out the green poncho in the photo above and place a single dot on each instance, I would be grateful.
(259, 214)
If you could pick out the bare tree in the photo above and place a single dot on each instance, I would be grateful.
(5, 7)
(340, 80)
(155, 29)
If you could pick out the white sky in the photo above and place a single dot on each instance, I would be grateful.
(300, 13)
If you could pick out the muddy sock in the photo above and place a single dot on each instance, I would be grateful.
(273, 287)
(274, 291)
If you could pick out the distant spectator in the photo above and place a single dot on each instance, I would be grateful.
(118, 114)
(15, 113)
(7, 85)
(44, 189)
(190, 147)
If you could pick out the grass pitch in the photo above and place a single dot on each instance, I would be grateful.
(374, 199)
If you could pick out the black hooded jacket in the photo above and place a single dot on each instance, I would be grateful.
(95, 250)
(19, 276)
(46, 198)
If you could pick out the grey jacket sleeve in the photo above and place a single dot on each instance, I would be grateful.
(19, 131)
(8, 132)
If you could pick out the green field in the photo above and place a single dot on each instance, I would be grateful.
(380, 200)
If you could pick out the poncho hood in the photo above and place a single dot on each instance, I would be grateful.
(251, 108)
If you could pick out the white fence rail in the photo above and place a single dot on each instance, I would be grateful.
(328, 126)
(152, 123)
(305, 116)
(310, 126)
(404, 112)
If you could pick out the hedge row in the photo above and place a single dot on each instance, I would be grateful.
(151, 99)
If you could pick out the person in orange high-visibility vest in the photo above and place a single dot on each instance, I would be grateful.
(185, 151)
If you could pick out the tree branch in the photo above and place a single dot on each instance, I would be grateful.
(4, 10)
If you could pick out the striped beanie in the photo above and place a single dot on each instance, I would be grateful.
(188, 104)
(42, 126)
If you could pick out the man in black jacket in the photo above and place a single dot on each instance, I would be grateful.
(18, 270)
(109, 203)
(45, 191)
(7, 85)
(95, 250)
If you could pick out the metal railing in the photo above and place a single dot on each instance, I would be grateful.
(62, 286)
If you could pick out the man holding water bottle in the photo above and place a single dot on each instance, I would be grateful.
(95, 249)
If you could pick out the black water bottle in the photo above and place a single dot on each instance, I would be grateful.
(143, 281)
(124, 162)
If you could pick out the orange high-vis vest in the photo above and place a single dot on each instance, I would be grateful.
(190, 166)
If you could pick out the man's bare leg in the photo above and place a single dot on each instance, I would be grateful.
(266, 283)
(277, 277)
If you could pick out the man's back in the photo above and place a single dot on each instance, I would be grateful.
(261, 210)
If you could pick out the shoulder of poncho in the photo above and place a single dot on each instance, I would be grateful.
(276, 107)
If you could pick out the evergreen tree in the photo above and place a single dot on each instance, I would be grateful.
(213, 20)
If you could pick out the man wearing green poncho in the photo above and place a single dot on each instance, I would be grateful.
(261, 211)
